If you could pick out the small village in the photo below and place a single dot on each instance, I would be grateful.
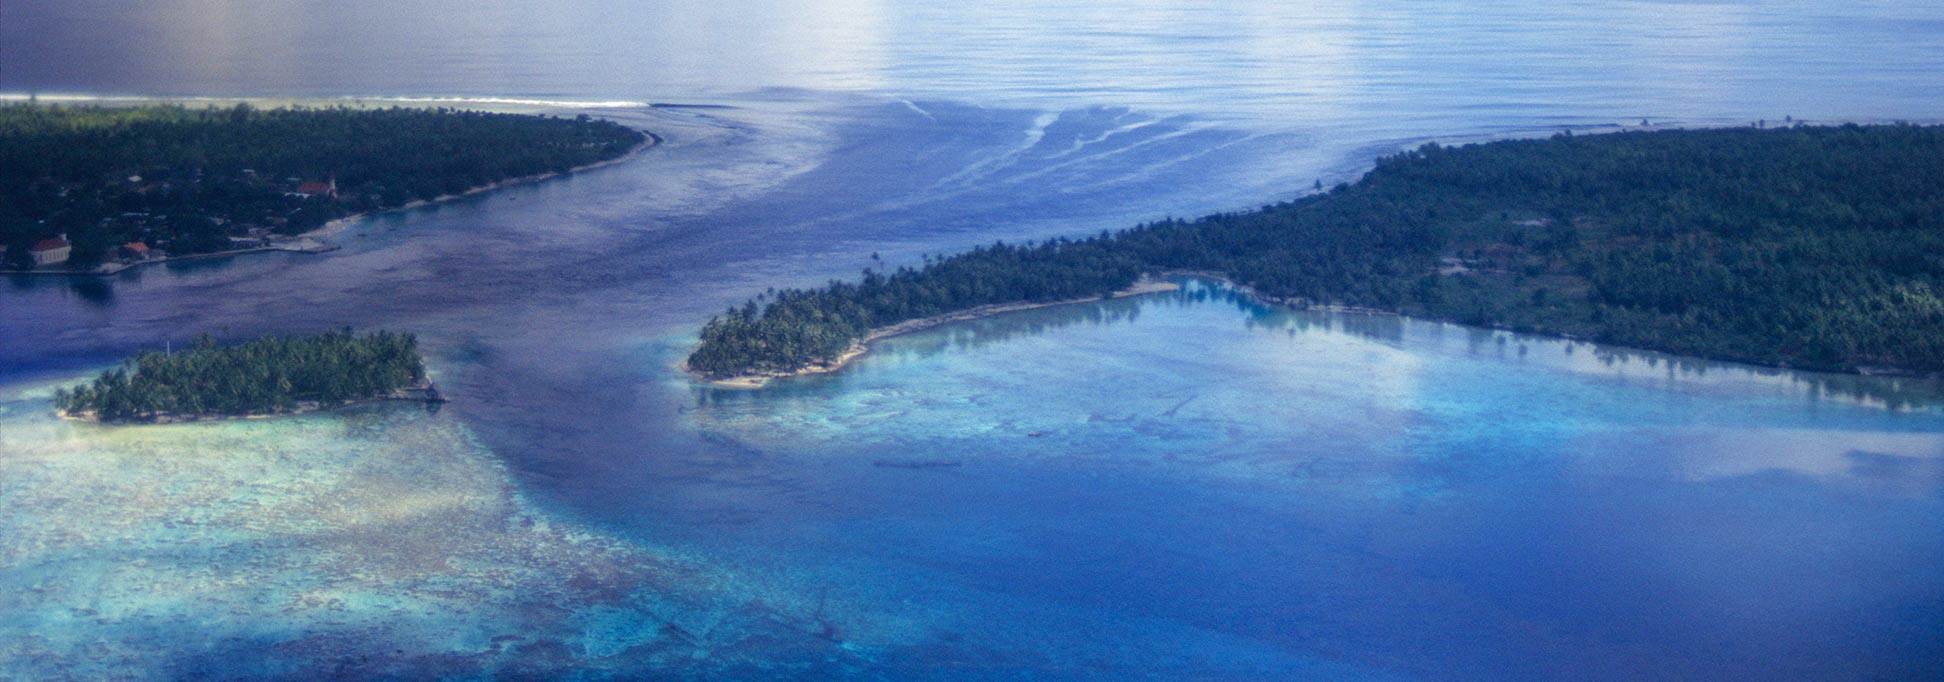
(155, 234)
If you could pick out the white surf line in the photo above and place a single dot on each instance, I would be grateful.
(70, 97)
(938, 192)
(921, 112)
(1079, 144)
(516, 101)
(424, 100)
(1185, 130)
(1155, 168)
(958, 185)
(982, 169)
(965, 180)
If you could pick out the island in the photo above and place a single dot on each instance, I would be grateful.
(266, 376)
(93, 190)
(1811, 247)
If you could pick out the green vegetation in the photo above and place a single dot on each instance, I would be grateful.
(803, 327)
(264, 376)
(1811, 247)
(200, 180)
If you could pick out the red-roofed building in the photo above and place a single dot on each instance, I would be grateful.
(135, 251)
(51, 251)
(317, 189)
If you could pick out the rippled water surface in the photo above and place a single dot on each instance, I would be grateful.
(1184, 485)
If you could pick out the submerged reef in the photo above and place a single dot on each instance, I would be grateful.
(371, 542)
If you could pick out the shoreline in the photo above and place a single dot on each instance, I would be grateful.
(1303, 304)
(313, 241)
(1299, 303)
(290, 245)
(337, 225)
(1144, 285)
(1158, 282)
(422, 392)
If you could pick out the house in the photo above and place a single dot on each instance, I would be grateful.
(319, 189)
(51, 251)
(135, 251)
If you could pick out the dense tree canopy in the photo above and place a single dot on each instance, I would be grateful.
(1814, 247)
(188, 180)
(263, 376)
(802, 327)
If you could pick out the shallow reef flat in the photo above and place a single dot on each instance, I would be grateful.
(376, 541)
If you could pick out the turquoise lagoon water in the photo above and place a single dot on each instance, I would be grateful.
(1180, 486)
(1443, 501)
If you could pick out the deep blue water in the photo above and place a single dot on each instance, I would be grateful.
(1178, 486)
